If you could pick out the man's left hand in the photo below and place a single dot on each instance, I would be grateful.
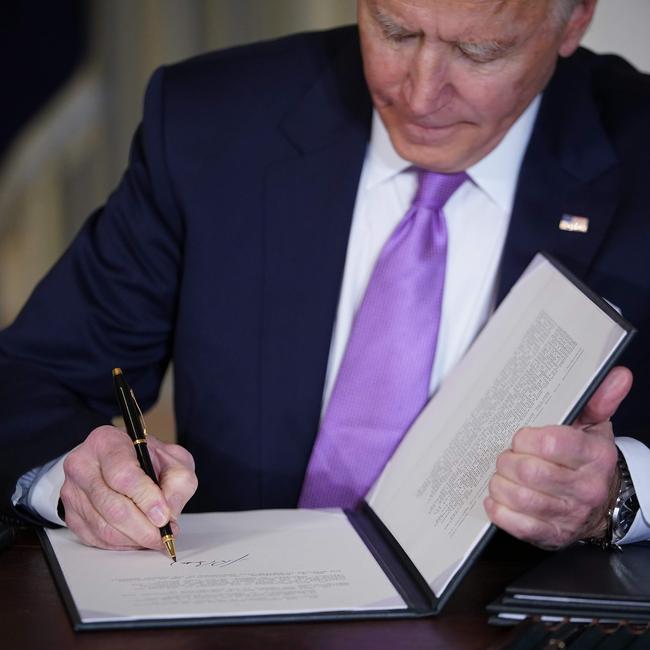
(555, 484)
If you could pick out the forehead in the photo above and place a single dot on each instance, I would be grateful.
(470, 17)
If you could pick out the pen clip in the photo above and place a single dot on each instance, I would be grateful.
(135, 401)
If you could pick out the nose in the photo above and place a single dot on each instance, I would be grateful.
(427, 87)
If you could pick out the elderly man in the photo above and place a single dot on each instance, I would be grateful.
(250, 241)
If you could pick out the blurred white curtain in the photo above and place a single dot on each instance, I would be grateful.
(73, 153)
(133, 38)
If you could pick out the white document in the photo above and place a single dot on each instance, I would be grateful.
(534, 360)
(265, 562)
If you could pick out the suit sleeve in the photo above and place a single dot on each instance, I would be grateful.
(109, 301)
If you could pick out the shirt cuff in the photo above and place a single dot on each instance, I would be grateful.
(637, 457)
(37, 491)
(44, 494)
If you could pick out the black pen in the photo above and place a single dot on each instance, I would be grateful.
(137, 431)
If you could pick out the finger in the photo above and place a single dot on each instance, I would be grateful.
(71, 498)
(118, 519)
(109, 451)
(88, 525)
(178, 486)
(82, 530)
(567, 446)
(110, 539)
(545, 534)
(178, 481)
(170, 454)
(122, 474)
(584, 487)
(535, 473)
(607, 398)
(520, 498)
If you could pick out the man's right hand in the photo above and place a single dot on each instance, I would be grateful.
(111, 503)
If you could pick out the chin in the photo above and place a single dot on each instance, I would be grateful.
(436, 158)
(437, 149)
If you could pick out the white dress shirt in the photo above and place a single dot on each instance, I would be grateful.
(477, 218)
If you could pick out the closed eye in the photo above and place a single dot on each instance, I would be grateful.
(399, 37)
(484, 52)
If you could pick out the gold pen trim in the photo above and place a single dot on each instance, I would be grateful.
(170, 546)
(140, 441)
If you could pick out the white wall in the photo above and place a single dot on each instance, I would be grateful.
(622, 26)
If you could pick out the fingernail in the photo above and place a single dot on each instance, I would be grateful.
(157, 516)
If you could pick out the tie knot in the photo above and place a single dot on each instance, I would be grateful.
(434, 190)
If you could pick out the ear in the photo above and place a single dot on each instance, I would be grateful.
(576, 26)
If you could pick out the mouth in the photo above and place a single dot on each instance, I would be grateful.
(429, 133)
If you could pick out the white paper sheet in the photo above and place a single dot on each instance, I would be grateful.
(533, 361)
(241, 563)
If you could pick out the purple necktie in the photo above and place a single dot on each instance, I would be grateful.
(383, 380)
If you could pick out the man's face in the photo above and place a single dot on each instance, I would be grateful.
(449, 77)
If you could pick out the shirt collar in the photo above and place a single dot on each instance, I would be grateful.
(496, 174)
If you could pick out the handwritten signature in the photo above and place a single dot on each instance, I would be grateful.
(198, 564)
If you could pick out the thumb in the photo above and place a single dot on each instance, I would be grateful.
(607, 398)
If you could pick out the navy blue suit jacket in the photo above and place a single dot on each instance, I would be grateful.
(223, 247)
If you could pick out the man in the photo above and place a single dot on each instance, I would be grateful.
(243, 236)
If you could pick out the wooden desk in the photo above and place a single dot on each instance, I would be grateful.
(32, 615)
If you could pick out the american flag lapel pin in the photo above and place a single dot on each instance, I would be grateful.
(573, 223)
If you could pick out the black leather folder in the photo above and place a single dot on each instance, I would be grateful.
(582, 582)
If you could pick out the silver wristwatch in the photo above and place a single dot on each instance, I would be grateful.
(626, 505)
(621, 513)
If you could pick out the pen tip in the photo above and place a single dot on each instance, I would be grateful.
(117, 371)
(168, 540)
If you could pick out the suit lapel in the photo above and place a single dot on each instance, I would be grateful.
(569, 168)
(309, 205)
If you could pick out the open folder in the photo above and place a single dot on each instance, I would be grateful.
(536, 362)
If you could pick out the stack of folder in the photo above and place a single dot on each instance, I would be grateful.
(581, 584)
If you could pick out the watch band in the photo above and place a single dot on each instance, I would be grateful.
(622, 511)
(626, 504)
